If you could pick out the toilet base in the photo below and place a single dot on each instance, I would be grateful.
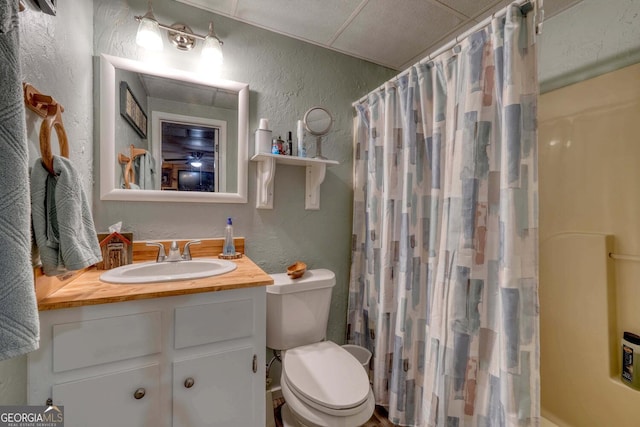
(288, 420)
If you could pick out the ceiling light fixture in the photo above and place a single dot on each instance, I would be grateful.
(212, 48)
(196, 159)
(148, 31)
(180, 35)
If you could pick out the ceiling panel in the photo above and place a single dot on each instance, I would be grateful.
(469, 8)
(314, 20)
(390, 35)
(393, 33)
(222, 7)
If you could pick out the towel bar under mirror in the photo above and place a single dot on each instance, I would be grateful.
(178, 105)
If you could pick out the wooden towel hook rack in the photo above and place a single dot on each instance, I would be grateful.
(129, 173)
(49, 109)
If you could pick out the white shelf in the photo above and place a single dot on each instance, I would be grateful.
(316, 169)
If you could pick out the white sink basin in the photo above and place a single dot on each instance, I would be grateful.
(153, 272)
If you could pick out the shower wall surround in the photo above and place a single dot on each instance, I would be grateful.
(588, 145)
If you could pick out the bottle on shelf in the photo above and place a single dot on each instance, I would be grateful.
(302, 149)
(263, 137)
(278, 146)
(289, 145)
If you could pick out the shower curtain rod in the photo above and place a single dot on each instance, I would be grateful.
(525, 5)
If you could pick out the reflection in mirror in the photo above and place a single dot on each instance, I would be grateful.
(196, 145)
(192, 133)
(196, 170)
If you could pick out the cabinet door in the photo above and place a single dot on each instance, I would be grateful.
(111, 400)
(222, 392)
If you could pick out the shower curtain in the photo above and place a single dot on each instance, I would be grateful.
(443, 286)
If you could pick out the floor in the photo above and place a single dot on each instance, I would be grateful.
(378, 419)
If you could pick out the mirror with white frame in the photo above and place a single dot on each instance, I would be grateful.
(193, 128)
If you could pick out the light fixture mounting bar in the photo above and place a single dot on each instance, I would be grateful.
(184, 33)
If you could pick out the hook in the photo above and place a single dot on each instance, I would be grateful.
(49, 109)
(53, 120)
(129, 173)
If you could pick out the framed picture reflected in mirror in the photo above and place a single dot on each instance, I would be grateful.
(131, 110)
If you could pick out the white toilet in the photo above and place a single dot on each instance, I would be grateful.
(323, 384)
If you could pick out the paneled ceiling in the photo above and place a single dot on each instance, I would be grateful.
(392, 33)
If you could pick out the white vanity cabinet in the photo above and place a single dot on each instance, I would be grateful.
(184, 361)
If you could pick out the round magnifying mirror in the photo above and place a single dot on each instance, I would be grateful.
(318, 122)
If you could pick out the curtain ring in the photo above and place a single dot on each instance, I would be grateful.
(456, 49)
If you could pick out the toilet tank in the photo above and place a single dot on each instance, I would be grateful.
(298, 309)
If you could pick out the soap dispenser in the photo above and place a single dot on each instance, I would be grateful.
(229, 247)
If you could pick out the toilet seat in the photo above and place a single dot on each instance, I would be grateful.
(305, 415)
(327, 378)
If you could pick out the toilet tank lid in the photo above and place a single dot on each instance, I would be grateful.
(312, 279)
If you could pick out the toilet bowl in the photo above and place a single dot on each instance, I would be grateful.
(323, 384)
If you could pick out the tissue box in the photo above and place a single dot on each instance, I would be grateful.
(117, 250)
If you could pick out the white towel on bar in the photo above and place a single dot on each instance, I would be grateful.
(62, 222)
(19, 322)
(145, 171)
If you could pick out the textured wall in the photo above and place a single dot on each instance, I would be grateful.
(56, 59)
(286, 77)
(591, 38)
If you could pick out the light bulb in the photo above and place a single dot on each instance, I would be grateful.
(148, 35)
(196, 164)
(211, 52)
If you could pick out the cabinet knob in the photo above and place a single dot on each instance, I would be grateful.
(189, 382)
(139, 393)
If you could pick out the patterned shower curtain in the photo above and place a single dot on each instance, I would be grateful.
(444, 274)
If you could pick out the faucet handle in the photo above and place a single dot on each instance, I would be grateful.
(161, 253)
(186, 253)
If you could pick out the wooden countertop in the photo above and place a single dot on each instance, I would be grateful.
(87, 289)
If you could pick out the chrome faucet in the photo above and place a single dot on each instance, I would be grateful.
(186, 253)
(174, 251)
